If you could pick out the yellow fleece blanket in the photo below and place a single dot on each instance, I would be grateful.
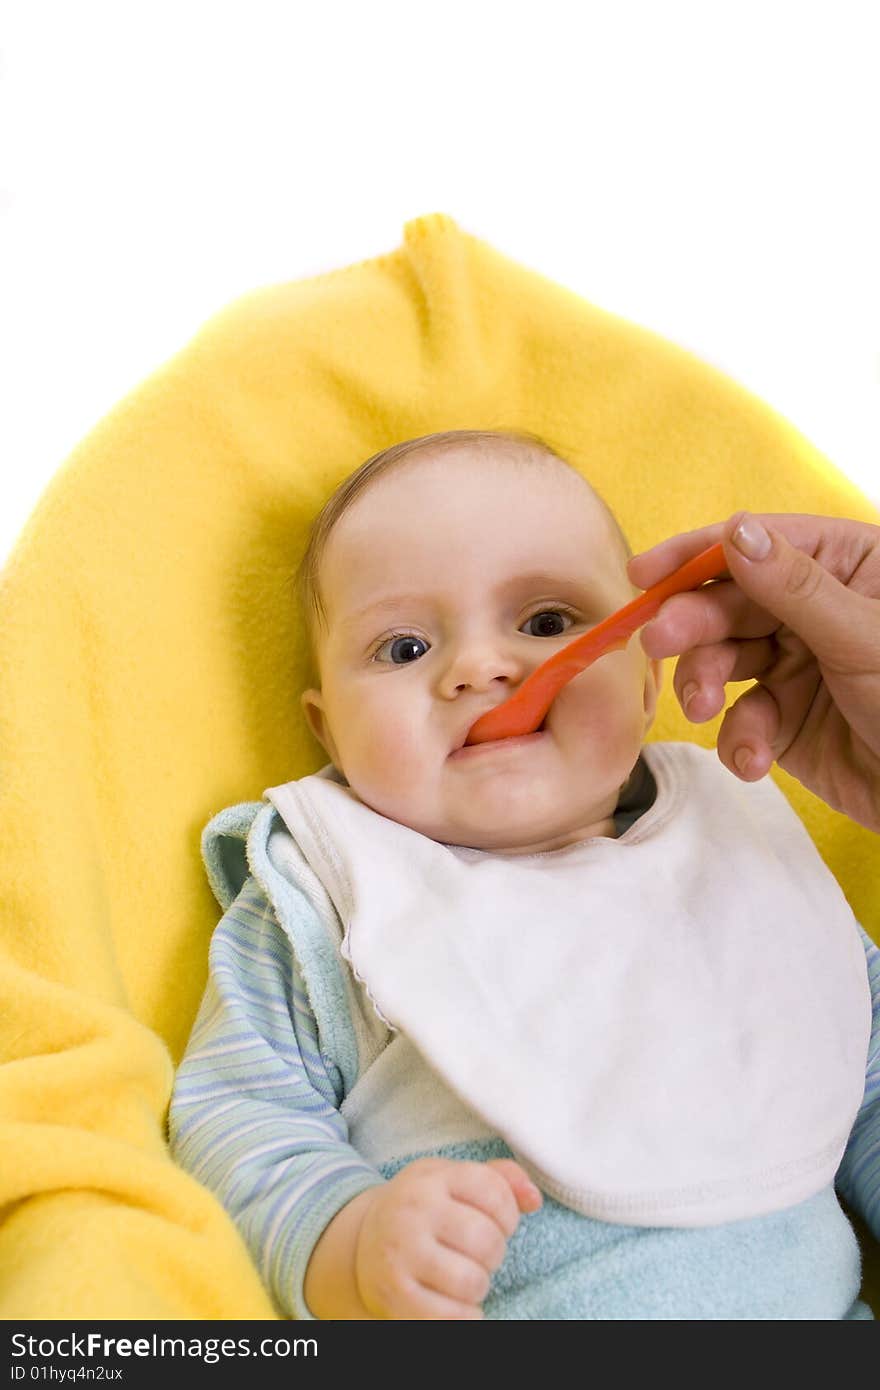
(151, 658)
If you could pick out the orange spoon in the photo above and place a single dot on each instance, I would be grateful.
(524, 711)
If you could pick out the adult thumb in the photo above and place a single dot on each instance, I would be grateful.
(835, 622)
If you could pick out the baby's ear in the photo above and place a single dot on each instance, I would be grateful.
(653, 684)
(312, 702)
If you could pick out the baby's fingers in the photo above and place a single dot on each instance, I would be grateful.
(452, 1274)
(472, 1233)
(527, 1195)
(415, 1302)
(491, 1192)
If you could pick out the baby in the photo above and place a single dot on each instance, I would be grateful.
(564, 1026)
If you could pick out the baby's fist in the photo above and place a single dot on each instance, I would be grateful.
(433, 1236)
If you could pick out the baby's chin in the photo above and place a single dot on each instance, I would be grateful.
(502, 808)
(491, 833)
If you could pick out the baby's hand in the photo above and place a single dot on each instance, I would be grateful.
(433, 1234)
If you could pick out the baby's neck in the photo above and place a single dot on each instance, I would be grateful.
(603, 829)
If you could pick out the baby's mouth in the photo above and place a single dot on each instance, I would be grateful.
(464, 749)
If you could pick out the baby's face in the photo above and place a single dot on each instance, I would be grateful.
(446, 583)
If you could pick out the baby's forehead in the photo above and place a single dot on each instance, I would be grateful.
(493, 473)
(488, 472)
(413, 527)
(488, 475)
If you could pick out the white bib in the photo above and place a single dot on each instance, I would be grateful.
(669, 1028)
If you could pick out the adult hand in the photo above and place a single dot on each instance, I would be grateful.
(799, 614)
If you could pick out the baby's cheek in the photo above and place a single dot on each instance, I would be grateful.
(393, 757)
(596, 700)
(606, 713)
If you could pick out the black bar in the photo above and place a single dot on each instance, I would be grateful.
(129, 1355)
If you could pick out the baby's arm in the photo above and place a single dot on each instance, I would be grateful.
(858, 1178)
(423, 1246)
(254, 1117)
(254, 1113)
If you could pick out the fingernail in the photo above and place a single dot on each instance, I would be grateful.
(751, 539)
(688, 694)
(742, 758)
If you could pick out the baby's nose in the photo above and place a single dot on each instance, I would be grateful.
(481, 663)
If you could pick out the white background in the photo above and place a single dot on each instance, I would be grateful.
(706, 169)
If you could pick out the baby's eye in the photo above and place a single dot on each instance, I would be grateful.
(401, 648)
(548, 622)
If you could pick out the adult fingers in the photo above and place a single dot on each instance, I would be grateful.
(702, 617)
(701, 675)
(652, 565)
(764, 722)
(844, 545)
(749, 734)
(839, 625)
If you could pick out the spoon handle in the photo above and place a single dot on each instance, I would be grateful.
(525, 710)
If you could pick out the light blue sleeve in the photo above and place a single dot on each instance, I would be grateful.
(858, 1178)
(254, 1112)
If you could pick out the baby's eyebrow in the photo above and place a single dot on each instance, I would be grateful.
(585, 587)
(383, 604)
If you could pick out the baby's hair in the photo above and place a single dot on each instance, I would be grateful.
(308, 571)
